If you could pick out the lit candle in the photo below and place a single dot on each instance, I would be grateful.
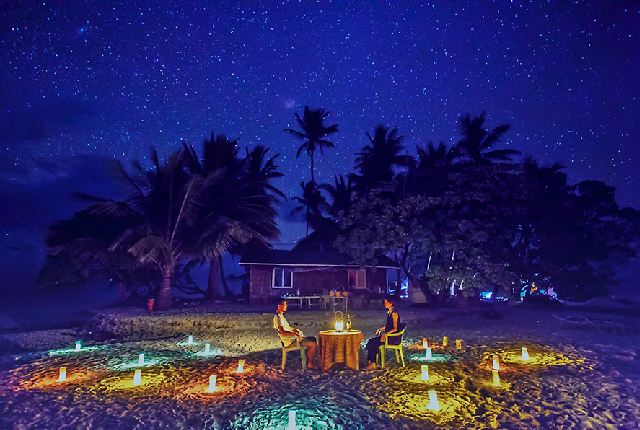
(137, 377)
(425, 343)
(445, 341)
(212, 384)
(425, 372)
(141, 359)
(496, 363)
(458, 343)
(63, 374)
(428, 354)
(78, 345)
(190, 340)
(525, 353)
(433, 401)
(292, 421)
(240, 366)
(207, 348)
(496, 378)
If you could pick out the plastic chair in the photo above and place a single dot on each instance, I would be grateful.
(293, 347)
(396, 338)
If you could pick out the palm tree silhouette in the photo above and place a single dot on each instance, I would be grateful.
(157, 218)
(313, 133)
(376, 162)
(312, 202)
(476, 142)
(240, 201)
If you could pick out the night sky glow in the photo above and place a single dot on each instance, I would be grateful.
(85, 81)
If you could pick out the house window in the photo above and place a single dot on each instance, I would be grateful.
(282, 278)
(357, 278)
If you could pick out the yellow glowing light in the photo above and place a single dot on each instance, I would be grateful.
(445, 341)
(496, 363)
(63, 374)
(241, 366)
(458, 343)
(424, 370)
(212, 384)
(496, 378)
(137, 377)
(433, 401)
(425, 343)
(525, 354)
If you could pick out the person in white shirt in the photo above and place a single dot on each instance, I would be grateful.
(288, 334)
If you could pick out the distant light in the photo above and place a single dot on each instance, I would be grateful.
(291, 425)
(525, 353)
(63, 374)
(212, 384)
(433, 401)
(137, 377)
(424, 372)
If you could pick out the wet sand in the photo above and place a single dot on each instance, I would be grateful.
(578, 376)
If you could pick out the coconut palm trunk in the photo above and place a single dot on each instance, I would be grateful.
(216, 288)
(164, 295)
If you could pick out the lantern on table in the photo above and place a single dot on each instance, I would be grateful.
(339, 321)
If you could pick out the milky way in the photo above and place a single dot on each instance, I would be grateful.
(96, 80)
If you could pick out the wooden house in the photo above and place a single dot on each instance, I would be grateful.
(274, 273)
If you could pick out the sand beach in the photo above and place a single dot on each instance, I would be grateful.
(582, 372)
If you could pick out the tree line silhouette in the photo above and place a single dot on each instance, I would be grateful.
(464, 216)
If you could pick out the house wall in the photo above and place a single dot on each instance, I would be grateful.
(377, 281)
(259, 283)
(317, 281)
(308, 282)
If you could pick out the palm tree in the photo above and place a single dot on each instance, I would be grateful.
(312, 202)
(157, 217)
(240, 202)
(376, 162)
(476, 142)
(341, 193)
(433, 157)
(313, 133)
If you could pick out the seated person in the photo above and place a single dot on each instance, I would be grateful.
(288, 334)
(373, 345)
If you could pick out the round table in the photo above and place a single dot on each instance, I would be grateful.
(340, 347)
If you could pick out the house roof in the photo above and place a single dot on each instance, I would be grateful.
(278, 257)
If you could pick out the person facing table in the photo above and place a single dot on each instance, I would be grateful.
(288, 334)
(373, 345)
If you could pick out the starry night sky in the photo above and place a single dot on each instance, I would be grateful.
(86, 81)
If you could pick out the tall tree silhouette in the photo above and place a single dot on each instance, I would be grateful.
(312, 202)
(240, 202)
(314, 133)
(476, 142)
(375, 163)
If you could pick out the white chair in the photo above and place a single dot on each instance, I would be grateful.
(293, 347)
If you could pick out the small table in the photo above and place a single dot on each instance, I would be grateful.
(340, 347)
(299, 300)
